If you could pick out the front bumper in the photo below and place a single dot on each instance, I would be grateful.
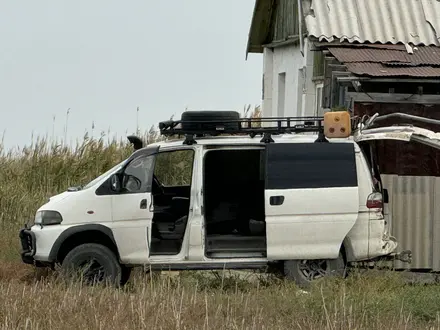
(28, 246)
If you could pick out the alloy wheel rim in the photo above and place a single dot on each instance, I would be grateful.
(313, 269)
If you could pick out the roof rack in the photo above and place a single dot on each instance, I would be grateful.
(243, 126)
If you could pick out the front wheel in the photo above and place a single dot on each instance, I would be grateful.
(303, 272)
(93, 263)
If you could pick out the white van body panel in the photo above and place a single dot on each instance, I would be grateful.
(327, 217)
(312, 225)
(76, 208)
(131, 227)
(80, 207)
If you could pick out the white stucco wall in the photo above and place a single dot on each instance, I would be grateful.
(299, 94)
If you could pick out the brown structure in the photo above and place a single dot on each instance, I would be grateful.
(375, 57)
(385, 78)
(377, 78)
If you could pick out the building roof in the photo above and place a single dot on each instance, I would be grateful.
(423, 55)
(381, 70)
(414, 22)
(260, 25)
(370, 60)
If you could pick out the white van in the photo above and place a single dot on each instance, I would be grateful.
(306, 204)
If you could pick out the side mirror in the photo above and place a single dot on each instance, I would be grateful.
(130, 184)
(386, 198)
(115, 183)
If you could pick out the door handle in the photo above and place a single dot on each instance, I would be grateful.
(276, 200)
(143, 204)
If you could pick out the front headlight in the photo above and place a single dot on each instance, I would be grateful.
(46, 218)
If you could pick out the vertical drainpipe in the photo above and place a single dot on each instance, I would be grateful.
(304, 69)
(300, 14)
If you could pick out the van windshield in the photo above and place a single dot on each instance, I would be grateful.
(102, 176)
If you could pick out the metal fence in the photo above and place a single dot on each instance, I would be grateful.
(415, 218)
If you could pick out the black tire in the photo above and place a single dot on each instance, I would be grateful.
(296, 270)
(102, 262)
(218, 116)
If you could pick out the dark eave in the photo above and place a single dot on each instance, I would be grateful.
(260, 25)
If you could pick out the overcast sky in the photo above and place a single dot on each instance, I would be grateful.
(103, 58)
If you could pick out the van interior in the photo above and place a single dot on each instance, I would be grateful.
(171, 189)
(234, 203)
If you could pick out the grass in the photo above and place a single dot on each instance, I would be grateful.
(37, 299)
(195, 301)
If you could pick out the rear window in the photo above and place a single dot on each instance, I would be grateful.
(310, 165)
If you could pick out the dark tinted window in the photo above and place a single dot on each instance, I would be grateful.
(310, 165)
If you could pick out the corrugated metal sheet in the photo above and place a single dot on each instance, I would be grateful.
(347, 55)
(421, 56)
(424, 56)
(403, 21)
(357, 45)
(379, 70)
(415, 218)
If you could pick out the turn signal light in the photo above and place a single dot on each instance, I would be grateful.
(337, 124)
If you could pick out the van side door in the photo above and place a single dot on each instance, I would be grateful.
(132, 211)
(311, 199)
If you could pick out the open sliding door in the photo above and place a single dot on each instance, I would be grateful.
(311, 199)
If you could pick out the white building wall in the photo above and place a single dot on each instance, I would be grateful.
(286, 66)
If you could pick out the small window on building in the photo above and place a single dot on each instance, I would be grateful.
(281, 94)
(319, 110)
(318, 64)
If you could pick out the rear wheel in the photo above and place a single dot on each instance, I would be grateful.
(304, 272)
(92, 263)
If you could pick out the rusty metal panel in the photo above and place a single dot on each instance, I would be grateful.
(358, 54)
(412, 203)
(383, 21)
(347, 44)
(374, 53)
(371, 61)
(423, 56)
(380, 70)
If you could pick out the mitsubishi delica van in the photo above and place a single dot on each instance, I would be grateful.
(223, 192)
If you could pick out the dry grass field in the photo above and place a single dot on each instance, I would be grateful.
(33, 299)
